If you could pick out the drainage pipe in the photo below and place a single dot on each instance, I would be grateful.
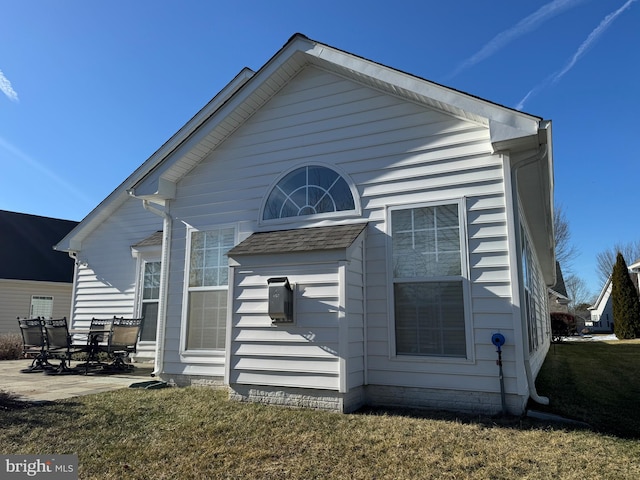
(167, 224)
(533, 393)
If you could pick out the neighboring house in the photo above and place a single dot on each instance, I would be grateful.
(558, 297)
(404, 221)
(35, 280)
(602, 310)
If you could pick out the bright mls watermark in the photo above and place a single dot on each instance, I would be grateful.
(51, 467)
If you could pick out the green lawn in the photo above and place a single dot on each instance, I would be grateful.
(196, 433)
(595, 382)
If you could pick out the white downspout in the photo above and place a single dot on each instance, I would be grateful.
(533, 393)
(74, 256)
(167, 226)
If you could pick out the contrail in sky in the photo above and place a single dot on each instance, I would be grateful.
(525, 25)
(20, 156)
(5, 87)
(593, 36)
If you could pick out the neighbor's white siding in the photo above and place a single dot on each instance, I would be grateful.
(106, 276)
(396, 153)
(15, 298)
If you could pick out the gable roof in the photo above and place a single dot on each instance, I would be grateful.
(560, 288)
(26, 248)
(509, 129)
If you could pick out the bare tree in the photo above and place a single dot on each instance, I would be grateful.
(566, 252)
(577, 291)
(606, 259)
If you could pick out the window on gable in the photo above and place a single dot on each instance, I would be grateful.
(308, 191)
(208, 276)
(428, 290)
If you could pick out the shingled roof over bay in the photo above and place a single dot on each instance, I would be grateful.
(299, 240)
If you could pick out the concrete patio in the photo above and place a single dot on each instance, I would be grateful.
(41, 387)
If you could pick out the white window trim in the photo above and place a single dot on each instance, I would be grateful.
(143, 255)
(40, 297)
(464, 275)
(214, 356)
(355, 213)
(142, 261)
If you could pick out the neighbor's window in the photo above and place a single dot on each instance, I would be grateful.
(307, 191)
(41, 306)
(428, 281)
(208, 285)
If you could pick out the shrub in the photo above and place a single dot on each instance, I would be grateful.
(562, 325)
(624, 297)
(10, 346)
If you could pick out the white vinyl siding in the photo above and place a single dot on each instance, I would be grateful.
(106, 273)
(397, 153)
(324, 347)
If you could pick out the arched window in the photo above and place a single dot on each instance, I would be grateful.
(308, 191)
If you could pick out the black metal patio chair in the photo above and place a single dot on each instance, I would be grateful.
(60, 345)
(34, 344)
(122, 341)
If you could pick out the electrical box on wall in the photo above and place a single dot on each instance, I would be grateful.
(280, 300)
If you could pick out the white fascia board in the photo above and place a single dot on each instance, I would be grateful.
(507, 123)
(604, 295)
(150, 184)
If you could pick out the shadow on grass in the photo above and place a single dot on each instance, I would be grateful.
(514, 422)
(41, 413)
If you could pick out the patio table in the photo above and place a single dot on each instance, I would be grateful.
(93, 338)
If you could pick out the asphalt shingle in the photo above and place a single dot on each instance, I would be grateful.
(299, 240)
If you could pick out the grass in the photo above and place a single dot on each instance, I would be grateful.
(595, 382)
(193, 433)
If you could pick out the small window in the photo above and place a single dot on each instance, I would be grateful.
(41, 306)
(309, 190)
(150, 299)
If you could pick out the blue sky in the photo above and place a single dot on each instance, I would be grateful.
(89, 90)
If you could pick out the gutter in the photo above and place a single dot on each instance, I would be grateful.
(533, 393)
(167, 226)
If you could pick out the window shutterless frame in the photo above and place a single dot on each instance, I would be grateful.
(310, 191)
(429, 293)
(206, 290)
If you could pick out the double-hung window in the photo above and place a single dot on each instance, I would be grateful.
(150, 300)
(208, 278)
(428, 280)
